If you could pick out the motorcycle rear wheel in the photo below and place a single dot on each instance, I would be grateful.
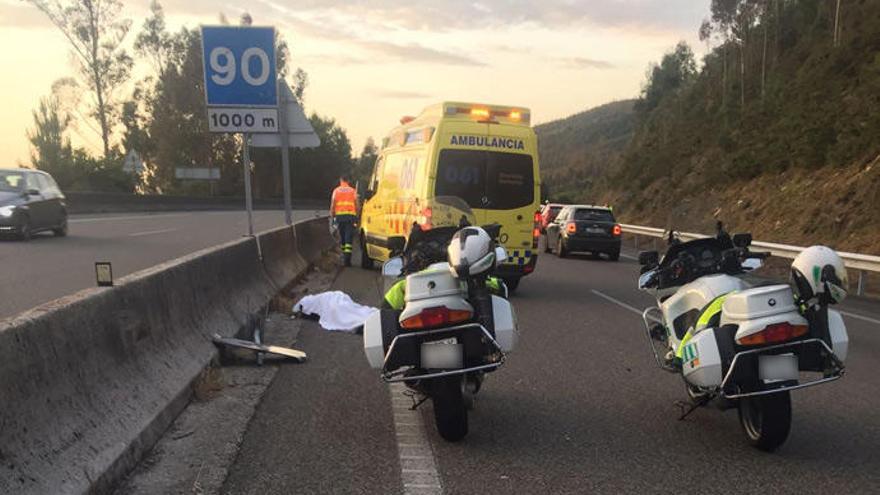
(766, 420)
(450, 409)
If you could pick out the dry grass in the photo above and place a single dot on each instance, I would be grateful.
(208, 384)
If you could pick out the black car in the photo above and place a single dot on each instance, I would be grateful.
(30, 202)
(584, 228)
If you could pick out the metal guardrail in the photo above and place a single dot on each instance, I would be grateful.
(862, 263)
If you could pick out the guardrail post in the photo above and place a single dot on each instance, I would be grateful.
(860, 290)
(654, 243)
(636, 241)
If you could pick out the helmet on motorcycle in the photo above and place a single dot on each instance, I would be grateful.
(819, 272)
(470, 252)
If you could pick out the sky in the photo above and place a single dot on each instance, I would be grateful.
(371, 62)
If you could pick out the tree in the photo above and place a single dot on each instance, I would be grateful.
(316, 170)
(837, 25)
(675, 69)
(363, 167)
(95, 32)
(154, 42)
(51, 148)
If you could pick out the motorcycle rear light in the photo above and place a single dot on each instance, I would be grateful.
(571, 228)
(437, 316)
(617, 230)
(773, 334)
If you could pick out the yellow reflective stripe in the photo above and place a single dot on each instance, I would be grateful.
(711, 310)
(396, 295)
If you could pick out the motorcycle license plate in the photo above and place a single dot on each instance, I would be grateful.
(443, 354)
(779, 368)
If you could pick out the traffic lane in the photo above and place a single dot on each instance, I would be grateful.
(325, 426)
(582, 407)
(49, 267)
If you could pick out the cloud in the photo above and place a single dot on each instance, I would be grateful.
(401, 95)
(417, 53)
(586, 63)
(22, 16)
(449, 15)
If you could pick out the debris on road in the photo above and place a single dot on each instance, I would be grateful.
(336, 311)
(260, 348)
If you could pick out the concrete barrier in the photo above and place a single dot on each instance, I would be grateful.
(96, 202)
(88, 383)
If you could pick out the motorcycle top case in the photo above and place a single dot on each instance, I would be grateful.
(753, 310)
(437, 281)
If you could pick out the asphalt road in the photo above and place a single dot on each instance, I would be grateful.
(49, 267)
(580, 407)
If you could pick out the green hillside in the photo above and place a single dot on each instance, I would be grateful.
(777, 131)
(577, 149)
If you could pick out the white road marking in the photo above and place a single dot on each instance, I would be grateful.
(418, 473)
(618, 302)
(622, 304)
(860, 317)
(138, 217)
(151, 232)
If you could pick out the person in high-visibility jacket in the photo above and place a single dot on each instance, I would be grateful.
(343, 209)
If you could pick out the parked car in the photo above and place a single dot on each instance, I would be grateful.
(31, 202)
(584, 228)
(548, 214)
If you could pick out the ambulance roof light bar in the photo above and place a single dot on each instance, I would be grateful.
(483, 113)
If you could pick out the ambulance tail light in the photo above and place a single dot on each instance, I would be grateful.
(437, 316)
(536, 229)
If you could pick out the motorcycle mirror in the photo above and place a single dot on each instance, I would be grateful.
(742, 240)
(648, 279)
(500, 255)
(752, 264)
(393, 267)
(649, 258)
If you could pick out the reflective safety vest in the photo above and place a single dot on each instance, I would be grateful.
(344, 201)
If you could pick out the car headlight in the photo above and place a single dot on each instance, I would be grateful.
(6, 211)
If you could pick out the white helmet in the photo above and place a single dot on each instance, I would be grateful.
(819, 272)
(470, 252)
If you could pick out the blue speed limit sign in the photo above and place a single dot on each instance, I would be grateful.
(240, 78)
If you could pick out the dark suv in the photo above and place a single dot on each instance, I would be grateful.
(30, 202)
(584, 228)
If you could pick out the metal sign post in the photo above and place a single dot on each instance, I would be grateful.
(248, 195)
(285, 156)
(295, 131)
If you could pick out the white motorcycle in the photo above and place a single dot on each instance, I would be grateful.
(743, 346)
(453, 329)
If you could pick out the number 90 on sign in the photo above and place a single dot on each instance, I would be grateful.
(255, 120)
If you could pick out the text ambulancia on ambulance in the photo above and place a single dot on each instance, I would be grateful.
(485, 154)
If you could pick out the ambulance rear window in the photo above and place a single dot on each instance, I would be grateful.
(486, 179)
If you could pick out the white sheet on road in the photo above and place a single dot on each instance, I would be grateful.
(335, 310)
